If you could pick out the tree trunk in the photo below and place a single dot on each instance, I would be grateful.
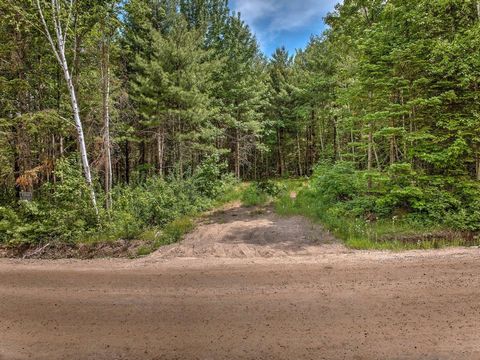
(255, 163)
(142, 160)
(16, 161)
(81, 138)
(392, 145)
(352, 139)
(106, 121)
(281, 161)
(58, 49)
(299, 155)
(392, 150)
(478, 166)
(377, 159)
(335, 143)
(127, 162)
(322, 140)
(160, 150)
(370, 155)
(237, 153)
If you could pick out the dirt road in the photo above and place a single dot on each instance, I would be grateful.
(245, 292)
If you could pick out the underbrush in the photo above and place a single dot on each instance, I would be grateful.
(397, 210)
(157, 211)
(260, 193)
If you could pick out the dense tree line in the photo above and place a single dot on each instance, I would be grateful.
(141, 88)
(158, 86)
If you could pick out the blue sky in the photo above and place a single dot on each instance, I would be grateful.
(288, 23)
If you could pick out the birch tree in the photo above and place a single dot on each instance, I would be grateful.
(60, 13)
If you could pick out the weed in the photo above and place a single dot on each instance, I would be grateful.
(174, 231)
(144, 250)
(252, 196)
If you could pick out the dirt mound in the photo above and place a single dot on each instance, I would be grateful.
(238, 232)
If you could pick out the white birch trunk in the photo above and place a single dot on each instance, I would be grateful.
(58, 48)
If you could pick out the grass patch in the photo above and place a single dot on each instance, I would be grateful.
(145, 250)
(170, 234)
(175, 231)
(234, 193)
(262, 192)
(253, 197)
(367, 244)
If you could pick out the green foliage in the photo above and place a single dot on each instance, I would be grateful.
(336, 183)
(259, 193)
(63, 211)
(267, 187)
(387, 100)
(210, 179)
(175, 231)
(253, 197)
(396, 209)
(64, 215)
(9, 221)
(170, 234)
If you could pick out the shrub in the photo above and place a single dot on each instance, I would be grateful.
(253, 197)
(209, 178)
(60, 211)
(340, 194)
(9, 222)
(268, 188)
(258, 193)
(337, 183)
(175, 230)
(63, 212)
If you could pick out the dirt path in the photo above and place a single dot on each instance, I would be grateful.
(238, 232)
(243, 289)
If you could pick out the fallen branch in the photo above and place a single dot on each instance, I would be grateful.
(26, 256)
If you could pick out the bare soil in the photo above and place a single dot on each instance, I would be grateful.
(52, 251)
(246, 284)
(239, 232)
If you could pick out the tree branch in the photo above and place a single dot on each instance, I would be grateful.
(48, 34)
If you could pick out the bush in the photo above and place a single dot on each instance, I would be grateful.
(253, 197)
(63, 212)
(9, 222)
(339, 195)
(175, 230)
(157, 201)
(60, 212)
(268, 188)
(209, 179)
(259, 193)
(337, 183)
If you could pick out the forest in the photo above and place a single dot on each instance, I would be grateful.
(119, 118)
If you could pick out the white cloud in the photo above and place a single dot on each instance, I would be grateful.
(283, 15)
(268, 18)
